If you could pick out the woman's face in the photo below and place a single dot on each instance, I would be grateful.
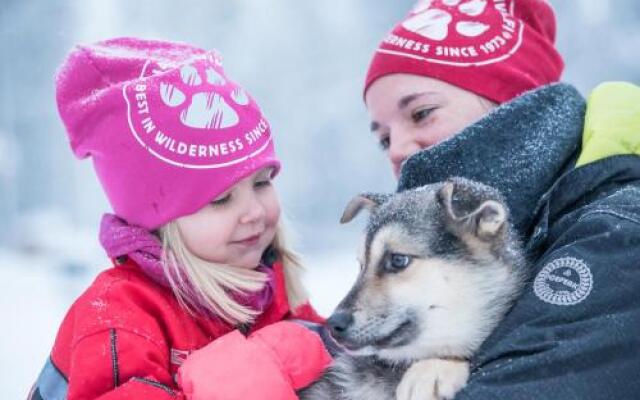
(237, 227)
(411, 112)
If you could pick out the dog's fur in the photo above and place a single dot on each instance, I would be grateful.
(440, 267)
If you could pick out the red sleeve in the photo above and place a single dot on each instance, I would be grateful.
(117, 364)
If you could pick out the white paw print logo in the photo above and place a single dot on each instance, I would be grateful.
(433, 23)
(206, 108)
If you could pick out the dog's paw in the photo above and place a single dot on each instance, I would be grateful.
(433, 379)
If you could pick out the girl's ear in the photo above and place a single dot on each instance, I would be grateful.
(370, 201)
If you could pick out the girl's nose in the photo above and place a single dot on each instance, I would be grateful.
(253, 211)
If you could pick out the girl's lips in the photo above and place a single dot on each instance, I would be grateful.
(250, 241)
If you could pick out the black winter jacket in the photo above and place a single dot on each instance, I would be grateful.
(575, 331)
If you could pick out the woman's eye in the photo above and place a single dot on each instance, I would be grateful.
(221, 200)
(384, 143)
(421, 114)
(398, 262)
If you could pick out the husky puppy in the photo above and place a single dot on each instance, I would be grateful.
(440, 267)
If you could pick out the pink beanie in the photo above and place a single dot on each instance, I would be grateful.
(497, 49)
(167, 130)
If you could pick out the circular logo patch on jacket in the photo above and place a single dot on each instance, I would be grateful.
(565, 281)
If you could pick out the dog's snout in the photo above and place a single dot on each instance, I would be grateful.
(339, 322)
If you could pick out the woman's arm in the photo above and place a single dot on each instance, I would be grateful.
(574, 332)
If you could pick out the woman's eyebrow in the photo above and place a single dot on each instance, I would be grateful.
(403, 103)
(406, 100)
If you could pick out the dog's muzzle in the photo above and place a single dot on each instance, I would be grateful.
(380, 333)
(339, 323)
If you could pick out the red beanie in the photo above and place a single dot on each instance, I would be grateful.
(497, 49)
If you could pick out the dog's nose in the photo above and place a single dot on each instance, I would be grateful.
(339, 322)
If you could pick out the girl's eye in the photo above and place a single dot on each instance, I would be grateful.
(397, 262)
(421, 114)
(262, 183)
(384, 143)
(222, 200)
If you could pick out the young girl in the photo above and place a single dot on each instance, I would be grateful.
(197, 303)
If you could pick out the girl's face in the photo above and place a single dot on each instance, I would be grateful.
(236, 227)
(411, 112)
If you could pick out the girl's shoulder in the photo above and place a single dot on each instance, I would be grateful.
(122, 284)
(123, 297)
(124, 276)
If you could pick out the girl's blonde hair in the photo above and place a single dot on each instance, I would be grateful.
(199, 284)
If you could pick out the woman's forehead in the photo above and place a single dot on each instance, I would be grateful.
(403, 88)
(395, 93)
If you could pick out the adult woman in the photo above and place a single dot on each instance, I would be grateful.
(469, 88)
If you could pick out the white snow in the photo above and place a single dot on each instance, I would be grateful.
(329, 277)
(34, 297)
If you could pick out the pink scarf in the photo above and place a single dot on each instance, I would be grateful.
(119, 239)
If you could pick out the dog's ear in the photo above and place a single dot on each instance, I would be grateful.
(364, 200)
(472, 208)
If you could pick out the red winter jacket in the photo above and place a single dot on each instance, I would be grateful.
(126, 337)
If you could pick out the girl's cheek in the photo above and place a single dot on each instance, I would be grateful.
(275, 214)
(272, 205)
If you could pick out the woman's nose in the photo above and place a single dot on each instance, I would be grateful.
(401, 147)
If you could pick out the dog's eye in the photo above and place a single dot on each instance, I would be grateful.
(398, 262)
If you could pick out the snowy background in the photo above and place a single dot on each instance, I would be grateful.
(303, 61)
